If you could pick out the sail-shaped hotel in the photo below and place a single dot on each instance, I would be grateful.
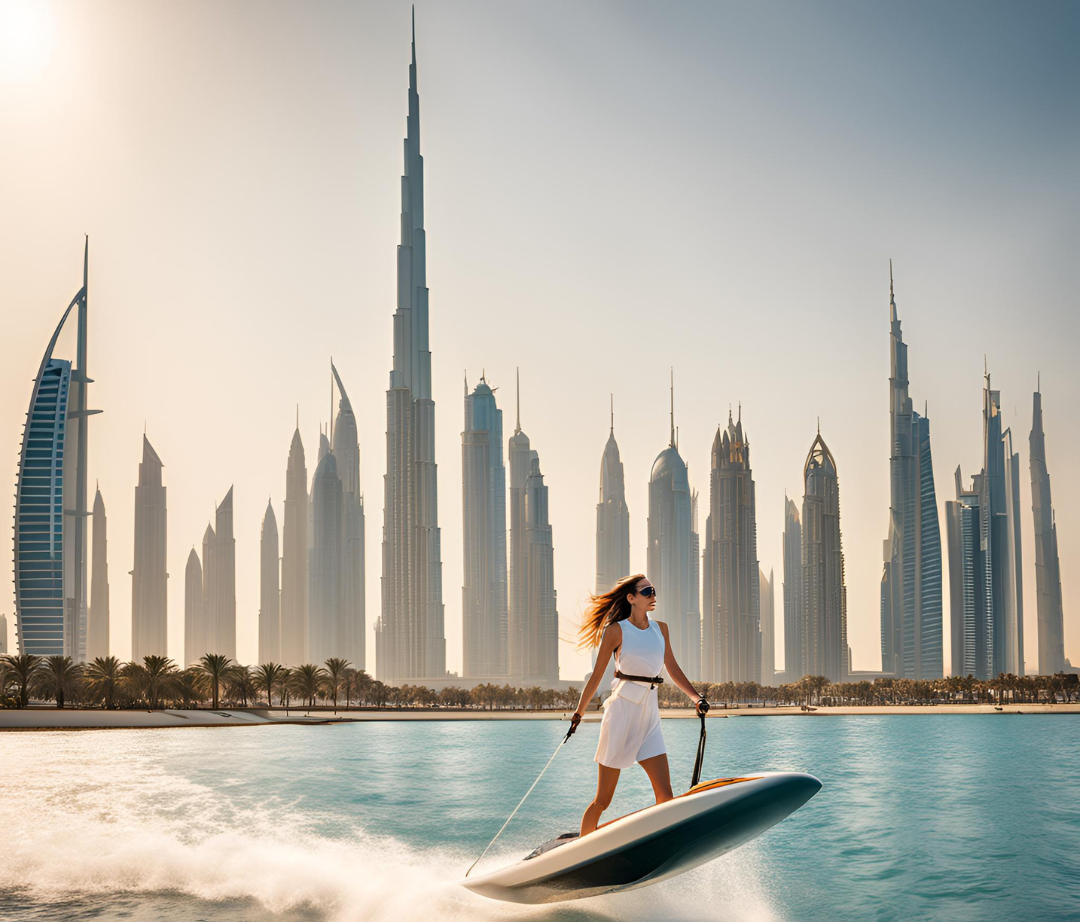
(51, 503)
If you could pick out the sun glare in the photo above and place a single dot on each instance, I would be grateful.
(25, 37)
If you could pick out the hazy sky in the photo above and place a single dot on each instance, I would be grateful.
(612, 188)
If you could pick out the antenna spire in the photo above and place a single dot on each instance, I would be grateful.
(517, 374)
(672, 407)
(612, 396)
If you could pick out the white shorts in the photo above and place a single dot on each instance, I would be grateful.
(630, 732)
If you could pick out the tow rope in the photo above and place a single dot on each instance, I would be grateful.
(569, 733)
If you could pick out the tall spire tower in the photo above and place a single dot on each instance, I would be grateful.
(911, 624)
(410, 641)
(1047, 568)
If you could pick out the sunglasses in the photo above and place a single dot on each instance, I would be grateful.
(649, 592)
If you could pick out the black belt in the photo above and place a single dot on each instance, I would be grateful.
(653, 682)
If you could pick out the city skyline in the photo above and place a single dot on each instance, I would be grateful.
(938, 301)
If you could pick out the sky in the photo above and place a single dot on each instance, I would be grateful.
(613, 190)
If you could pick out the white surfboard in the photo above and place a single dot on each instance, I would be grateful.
(654, 843)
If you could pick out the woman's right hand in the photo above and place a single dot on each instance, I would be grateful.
(574, 721)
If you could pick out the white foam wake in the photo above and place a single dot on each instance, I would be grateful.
(81, 826)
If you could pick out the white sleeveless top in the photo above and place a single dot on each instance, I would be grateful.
(641, 651)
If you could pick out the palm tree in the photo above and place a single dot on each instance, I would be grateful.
(190, 686)
(308, 680)
(103, 675)
(23, 668)
(214, 666)
(240, 683)
(335, 676)
(268, 676)
(160, 672)
(57, 677)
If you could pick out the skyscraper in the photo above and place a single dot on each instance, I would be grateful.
(1013, 581)
(911, 626)
(326, 626)
(825, 646)
(768, 621)
(671, 568)
(51, 503)
(612, 518)
(97, 619)
(971, 593)
(219, 583)
(998, 502)
(520, 454)
(1047, 568)
(269, 590)
(3, 635)
(409, 638)
(294, 558)
(195, 629)
(346, 448)
(794, 629)
(541, 628)
(149, 587)
(731, 628)
(484, 589)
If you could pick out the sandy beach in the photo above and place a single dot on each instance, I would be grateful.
(50, 718)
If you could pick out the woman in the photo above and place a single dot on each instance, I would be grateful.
(618, 621)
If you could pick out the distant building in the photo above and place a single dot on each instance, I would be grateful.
(670, 554)
(520, 456)
(1047, 566)
(51, 502)
(794, 628)
(731, 629)
(294, 559)
(1014, 571)
(533, 622)
(325, 611)
(541, 628)
(149, 579)
(219, 583)
(410, 637)
(346, 448)
(484, 590)
(911, 622)
(971, 606)
(97, 619)
(269, 590)
(3, 635)
(825, 646)
(196, 633)
(768, 637)
(612, 518)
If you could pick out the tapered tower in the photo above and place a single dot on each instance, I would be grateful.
(294, 558)
(794, 628)
(149, 587)
(346, 448)
(195, 632)
(269, 590)
(97, 619)
(825, 647)
(670, 555)
(911, 622)
(410, 637)
(612, 517)
(1047, 567)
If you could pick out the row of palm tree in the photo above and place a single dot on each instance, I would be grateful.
(818, 690)
(158, 682)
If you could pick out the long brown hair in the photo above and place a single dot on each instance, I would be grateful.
(605, 609)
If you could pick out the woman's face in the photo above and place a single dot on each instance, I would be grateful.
(641, 603)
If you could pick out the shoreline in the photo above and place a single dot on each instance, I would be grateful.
(49, 718)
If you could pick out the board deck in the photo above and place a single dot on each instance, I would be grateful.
(654, 843)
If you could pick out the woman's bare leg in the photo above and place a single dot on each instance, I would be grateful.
(606, 780)
(660, 776)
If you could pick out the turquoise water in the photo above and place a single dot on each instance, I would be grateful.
(948, 817)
